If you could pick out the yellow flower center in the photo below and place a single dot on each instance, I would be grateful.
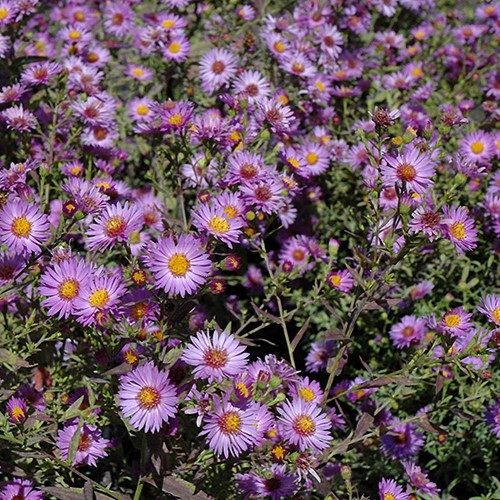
(139, 277)
(149, 398)
(74, 35)
(21, 227)
(134, 238)
(115, 226)
(230, 422)
(168, 23)
(311, 158)
(99, 298)
(219, 225)
(419, 35)
(452, 320)
(230, 212)
(79, 16)
(279, 47)
(283, 99)
(68, 289)
(76, 170)
(417, 72)
(17, 413)
(174, 47)
(3, 13)
(335, 280)
(178, 264)
(130, 357)
(306, 393)
(321, 86)
(137, 71)
(477, 147)
(279, 452)
(142, 109)
(457, 230)
(175, 119)
(496, 314)
(304, 425)
(389, 496)
(242, 389)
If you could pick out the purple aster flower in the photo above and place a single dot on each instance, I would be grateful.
(411, 167)
(419, 479)
(215, 356)
(244, 167)
(97, 298)
(490, 306)
(477, 146)
(96, 110)
(264, 195)
(177, 48)
(91, 444)
(318, 355)
(296, 252)
(408, 332)
(114, 225)
(140, 73)
(89, 198)
(388, 489)
(18, 118)
(40, 73)
(20, 489)
(459, 228)
(427, 221)
(492, 417)
(402, 441)
(147, 397)
(11, 265)
(179, 267)
(457, 322)
(214, 220)
(251, 85)
(315, 159)
(277, 115)
(229, 430)
(274, 483)
(118, 19)
(217, 67)
(140, 108)
(61, 284)
(23, 228)
(304, 425)
(340, 280)
(17, 410)
(308, 390)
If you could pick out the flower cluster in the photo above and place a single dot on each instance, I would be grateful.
(249, 250)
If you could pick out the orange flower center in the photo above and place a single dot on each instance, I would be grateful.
(149, 398)
(406, 172)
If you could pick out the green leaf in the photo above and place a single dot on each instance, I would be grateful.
(75, 440)
(74, 409)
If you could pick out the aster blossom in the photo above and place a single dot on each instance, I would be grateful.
(411, 168)
(304, 425)
(91, 445)
(215, 356)
(23, 228)
(147, 397)
(179, 265)
(459, 228)
(229, 430)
